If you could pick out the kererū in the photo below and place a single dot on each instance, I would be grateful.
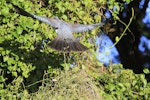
(64, 40)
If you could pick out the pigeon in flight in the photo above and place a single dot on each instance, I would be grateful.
(64, 40)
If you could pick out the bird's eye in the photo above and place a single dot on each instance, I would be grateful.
(56, 28)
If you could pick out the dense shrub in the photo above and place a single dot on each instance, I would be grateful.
(26, 63)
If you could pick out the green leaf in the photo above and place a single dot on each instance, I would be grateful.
(5, 11)
(11, 61)
(19, 30)
(2, 39)
(117, 39)
(142, 76)
(64, 17)
(66, 66)
(5, 58)
(2, 79)
(146, 71)
(14, 74)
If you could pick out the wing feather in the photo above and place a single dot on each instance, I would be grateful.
(20, 11)
(84, 28)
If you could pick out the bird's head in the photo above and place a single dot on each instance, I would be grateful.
(56, 22)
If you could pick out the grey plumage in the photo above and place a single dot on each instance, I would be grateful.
(64, 40)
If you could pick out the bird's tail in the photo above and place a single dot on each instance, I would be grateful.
(65, 46)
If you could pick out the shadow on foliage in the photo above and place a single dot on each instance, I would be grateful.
(40, 60)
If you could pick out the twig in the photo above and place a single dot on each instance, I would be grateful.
(127, 27)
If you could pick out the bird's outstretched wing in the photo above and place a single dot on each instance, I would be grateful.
(84, 28)
(20, 11)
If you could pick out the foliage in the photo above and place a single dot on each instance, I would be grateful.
(27, 63)
(78, 86)
(111, 84)
(124, 85)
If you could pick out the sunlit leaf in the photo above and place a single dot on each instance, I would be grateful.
(146, 71)
(117, 39)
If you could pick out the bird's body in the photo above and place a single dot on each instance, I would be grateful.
(64, 40)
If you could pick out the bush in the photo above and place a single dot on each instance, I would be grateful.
(26, 63)
(123, 85)
(68, 85)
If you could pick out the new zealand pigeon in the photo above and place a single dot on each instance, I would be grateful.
(64, 40)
